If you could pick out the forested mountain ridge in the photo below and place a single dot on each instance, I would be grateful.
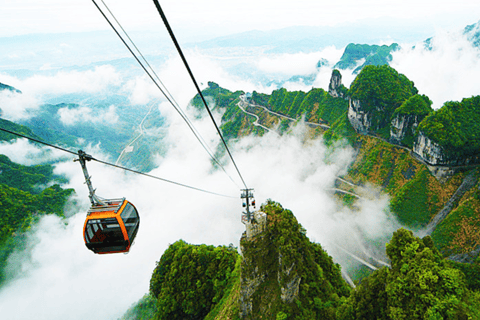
(418, 191)
(26, 193)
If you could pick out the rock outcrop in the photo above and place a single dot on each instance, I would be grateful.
(358, 117)
(335, 88)
(403, 127)
(282, 270)
(434, 154)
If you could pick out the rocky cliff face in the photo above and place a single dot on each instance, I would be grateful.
(359, 118)
(267, 281)
(433, 154)
(335, 88)
(403, 127)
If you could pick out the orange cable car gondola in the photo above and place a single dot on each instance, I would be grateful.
(111, 224)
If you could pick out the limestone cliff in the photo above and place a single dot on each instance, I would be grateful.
(335, 88)
(358, 117)
(374, 96)
(406, 119)
(283, 274)
(436, 155)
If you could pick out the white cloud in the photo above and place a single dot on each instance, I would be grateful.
(71, 116)
(448, 72)
(16, 106)
(290, 64)
(23, 152)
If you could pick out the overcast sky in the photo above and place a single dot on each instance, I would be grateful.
(220, 17)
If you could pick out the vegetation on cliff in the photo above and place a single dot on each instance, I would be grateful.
(455, 127)
(381, 90)
(203, 282)
(410, 114)
(282, 275)
(420, 284)
(190, 280)
(293, 277)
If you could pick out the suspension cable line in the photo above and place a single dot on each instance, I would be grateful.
(164, 91)
(114, 165)
(170, 31)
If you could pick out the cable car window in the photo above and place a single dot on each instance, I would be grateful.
(104, 230)
(130, 218)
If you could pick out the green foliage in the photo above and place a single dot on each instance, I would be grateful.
(316, 104)
(144, 309)
(285, 246)
(189, 280)
(373, 55)
(410, 203)
(419, 285)
(341, 129)
(458, 232)
(11, 126)
(472, 273)
(228, 306)
(26, 178)
(419, 105)
(455, 127)
(19, 209)
(24, 197)
(222, 97)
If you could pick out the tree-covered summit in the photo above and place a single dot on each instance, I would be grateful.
(381, 86)
(375, 94)
(419, 105)
(455, 127)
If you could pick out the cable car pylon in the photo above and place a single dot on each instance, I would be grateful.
(247, 195)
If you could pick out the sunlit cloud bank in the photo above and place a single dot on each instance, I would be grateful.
(71, 116)
(23, 152)
(447, 72)
(16, 106)
(37, 88)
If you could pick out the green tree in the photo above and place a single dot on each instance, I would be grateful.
(420, 284)
(189, 280)
(381, 90)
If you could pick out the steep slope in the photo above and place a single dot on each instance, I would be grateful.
(420, 284)
(280, 275)
(284, 275)
(26, 193)
(395, 112)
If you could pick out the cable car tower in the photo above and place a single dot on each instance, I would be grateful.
(111, 224)
(248, 200)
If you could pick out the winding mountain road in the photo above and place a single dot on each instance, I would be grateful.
(130, 146)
